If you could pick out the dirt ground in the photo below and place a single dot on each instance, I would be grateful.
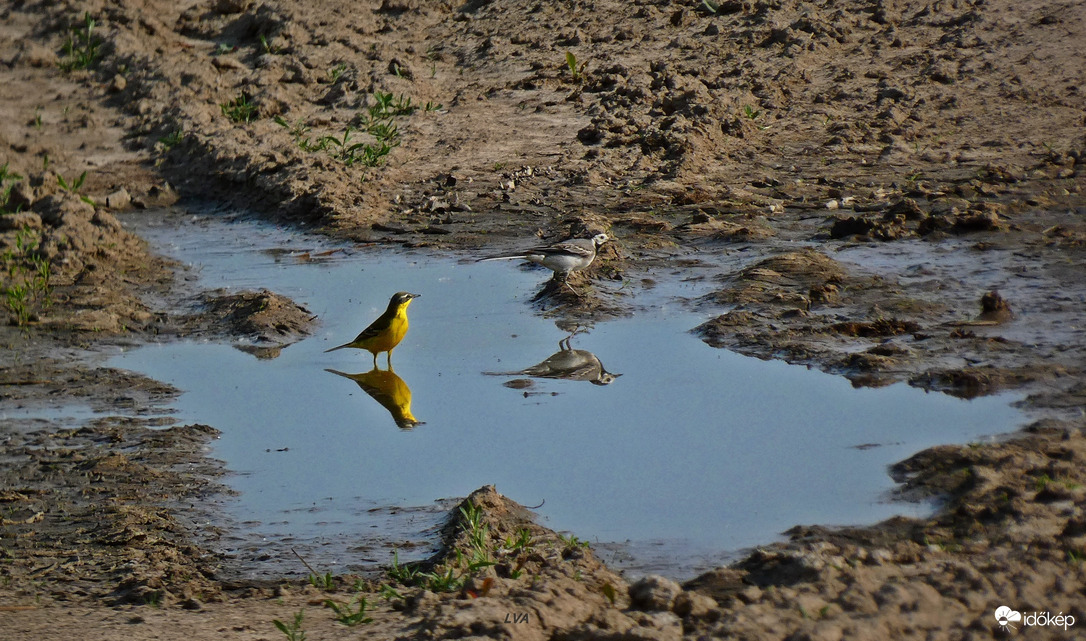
(887, 190)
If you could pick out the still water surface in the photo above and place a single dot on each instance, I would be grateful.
(691, 454)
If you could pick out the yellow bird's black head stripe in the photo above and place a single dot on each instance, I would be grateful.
(401, 298)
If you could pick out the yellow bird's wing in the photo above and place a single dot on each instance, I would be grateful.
(373, 331)
(375, 328)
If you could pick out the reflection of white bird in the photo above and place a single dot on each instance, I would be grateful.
(568, 364)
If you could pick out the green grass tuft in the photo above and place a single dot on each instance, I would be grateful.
(82, 49)
(240, 109)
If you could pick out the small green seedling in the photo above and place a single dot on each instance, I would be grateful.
(335, 72)
(293, 630)
(28, 286)
(347, 616)
(81, 50)
(240, 109)
(388, 593)
(323, 582)
(74, 186)
(268, 47)
(172, 139)
(576, 71)
(405, 574)
(12, 179)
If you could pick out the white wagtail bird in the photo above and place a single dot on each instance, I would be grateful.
(563, 258)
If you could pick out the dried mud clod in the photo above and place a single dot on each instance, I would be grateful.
(262, 316)
(971, 382)
(878, 328)
(994, 308)
(553, 583)
(989, 488)
(737, 227)
(784, 280)
(577, 299)
(493, 557)
(905, 218)
(84, 272)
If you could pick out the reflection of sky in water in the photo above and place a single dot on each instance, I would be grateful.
(695, 448)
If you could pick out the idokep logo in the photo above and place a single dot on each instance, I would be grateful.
(1007, 618)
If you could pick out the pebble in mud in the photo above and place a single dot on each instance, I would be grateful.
(653, 593)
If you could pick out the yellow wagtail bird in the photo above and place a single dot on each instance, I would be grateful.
(562, 258)
(385, 333)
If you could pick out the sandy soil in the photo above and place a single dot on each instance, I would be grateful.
(856, 180)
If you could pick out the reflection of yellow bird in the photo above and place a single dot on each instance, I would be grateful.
(388, 389)
(569, 364)
(385, 333)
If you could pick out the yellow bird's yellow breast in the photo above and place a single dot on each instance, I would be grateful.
(391, 338)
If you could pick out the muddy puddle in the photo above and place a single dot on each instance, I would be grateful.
(678, 460)
(1045, 307)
